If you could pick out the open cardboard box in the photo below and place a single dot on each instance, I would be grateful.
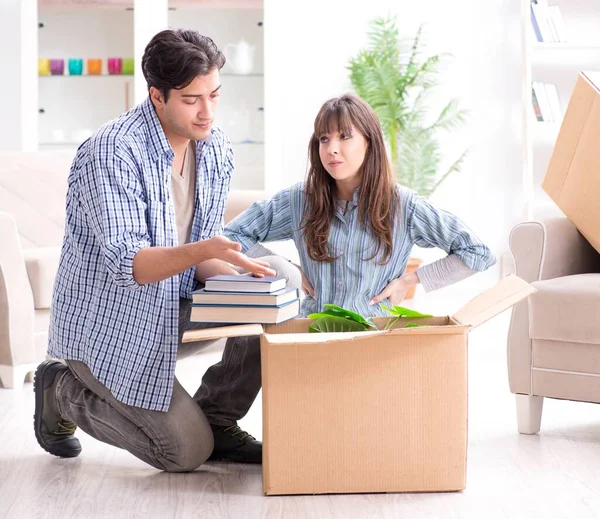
(573, 176)
(382, 411)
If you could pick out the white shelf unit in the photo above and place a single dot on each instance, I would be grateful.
(73, 107)
(558, 63)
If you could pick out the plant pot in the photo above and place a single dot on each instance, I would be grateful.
(413, 264)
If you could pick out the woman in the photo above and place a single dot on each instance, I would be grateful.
(354, 227)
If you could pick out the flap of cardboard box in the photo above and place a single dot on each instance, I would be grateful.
(509, 291)
(222, 332)
(577, 113)
(572, 179)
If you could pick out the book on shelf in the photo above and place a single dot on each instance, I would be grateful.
(277, 298)
(547, 22)
(553, 98)
(244, 283)
(557, 22)
(546, 102)
(244, 314)
(536, 106)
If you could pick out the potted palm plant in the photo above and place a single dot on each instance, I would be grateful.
(396, 80)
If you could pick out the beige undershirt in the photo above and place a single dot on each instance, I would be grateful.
(183, 187)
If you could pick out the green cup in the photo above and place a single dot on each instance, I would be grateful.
(128, 66)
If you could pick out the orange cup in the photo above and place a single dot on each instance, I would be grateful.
(94, 67)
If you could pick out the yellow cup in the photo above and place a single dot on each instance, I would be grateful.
(44, 67)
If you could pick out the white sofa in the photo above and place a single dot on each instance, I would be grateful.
(32, 199)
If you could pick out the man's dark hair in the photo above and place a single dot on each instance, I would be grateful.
(173, 58)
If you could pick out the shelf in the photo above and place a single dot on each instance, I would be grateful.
(545, 131)
(224, 74)
(542, 47)
(130, 76)
(128, 4)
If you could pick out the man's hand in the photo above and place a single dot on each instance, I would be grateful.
(152, 264)
(214, 267)
(222, 248)
(396, 289)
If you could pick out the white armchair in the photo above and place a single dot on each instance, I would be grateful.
(26, 279)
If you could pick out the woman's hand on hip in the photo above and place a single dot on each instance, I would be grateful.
(396, 290)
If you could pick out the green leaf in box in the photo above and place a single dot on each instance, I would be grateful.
(331, 324)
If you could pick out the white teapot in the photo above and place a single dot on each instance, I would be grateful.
(240, 56)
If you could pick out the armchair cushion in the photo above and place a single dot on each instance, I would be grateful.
(566, 309)
(42, 265)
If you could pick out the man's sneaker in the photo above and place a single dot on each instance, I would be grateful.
(233, 444)
(53, 433)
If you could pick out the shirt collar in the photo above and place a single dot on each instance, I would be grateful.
(159, 144)
(354, 201)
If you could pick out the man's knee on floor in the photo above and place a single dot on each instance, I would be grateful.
(191, 455)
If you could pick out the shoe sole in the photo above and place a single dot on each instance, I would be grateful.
(37, 415)
(226, 456)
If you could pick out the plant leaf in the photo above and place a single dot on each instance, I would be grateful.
(396, 77)
(414, 325)
(400, 311)
(330, 324)
(348, 314)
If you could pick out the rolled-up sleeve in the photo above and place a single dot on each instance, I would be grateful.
(270, 220)
(432, 227)
(113, 199)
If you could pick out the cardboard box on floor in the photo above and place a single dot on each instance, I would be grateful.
(573, 176)
(382, 411)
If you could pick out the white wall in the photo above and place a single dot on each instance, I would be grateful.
(306, 53)
(18, 66)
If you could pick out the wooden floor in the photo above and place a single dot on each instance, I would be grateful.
(553, 474)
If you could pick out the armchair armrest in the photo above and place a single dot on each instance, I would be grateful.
(16, 300)
(551, 248)
(42, 265)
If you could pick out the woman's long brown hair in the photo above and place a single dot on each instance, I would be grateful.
(378, 202)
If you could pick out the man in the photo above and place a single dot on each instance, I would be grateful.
(145, 203)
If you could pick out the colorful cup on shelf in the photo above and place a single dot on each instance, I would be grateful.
(75, 66)
(44, 67)
(115, 65)
(57, 67)
(128, 66)
(94, 67)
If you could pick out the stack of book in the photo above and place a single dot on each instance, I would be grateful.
(245, 299)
